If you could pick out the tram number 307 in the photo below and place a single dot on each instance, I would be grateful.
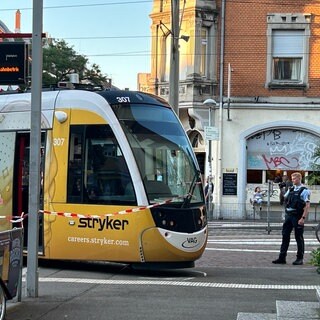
(58, 142)
(123, 99)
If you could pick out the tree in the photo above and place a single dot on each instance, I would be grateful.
(60, 60)
(314, 177)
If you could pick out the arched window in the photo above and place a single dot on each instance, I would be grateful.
(274, 151)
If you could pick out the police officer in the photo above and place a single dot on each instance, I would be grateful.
(297, 208)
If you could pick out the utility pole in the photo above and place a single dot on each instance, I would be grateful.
(220, 141)
(174, 59)
(35, 147)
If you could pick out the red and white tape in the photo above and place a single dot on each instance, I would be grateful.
(93, 216)
(18, 219)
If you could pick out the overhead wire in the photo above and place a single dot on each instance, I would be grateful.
(82, 5)
(113, 3)
(270, 2)
(148, 53)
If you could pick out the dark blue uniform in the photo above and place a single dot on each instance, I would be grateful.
(296, 198)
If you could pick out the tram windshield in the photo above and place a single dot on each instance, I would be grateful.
(162, 152)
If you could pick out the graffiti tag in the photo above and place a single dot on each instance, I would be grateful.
(276, 162)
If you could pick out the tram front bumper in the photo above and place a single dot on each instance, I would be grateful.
(160, 245)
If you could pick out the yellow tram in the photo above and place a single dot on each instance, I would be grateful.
(119, 179)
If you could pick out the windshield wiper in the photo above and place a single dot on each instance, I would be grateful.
(187, 199)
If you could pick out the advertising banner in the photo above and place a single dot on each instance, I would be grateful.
(13, 63)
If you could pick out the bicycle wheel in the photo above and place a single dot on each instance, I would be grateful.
(318, 232)
(3, 302)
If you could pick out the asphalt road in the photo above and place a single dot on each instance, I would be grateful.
(235, 274)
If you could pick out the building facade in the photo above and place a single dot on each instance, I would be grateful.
(198, 65)
(261, 69)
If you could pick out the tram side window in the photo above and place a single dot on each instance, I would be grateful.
(75, 178)
(98, 172)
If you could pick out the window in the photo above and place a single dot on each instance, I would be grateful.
(272, 153)
(162, 153)
(288, 50)
(287, 69)
(254, 176)
(204, 53)
(97, 169)
(167, 60)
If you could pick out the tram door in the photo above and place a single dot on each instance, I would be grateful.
(21, 182)
(7, 153)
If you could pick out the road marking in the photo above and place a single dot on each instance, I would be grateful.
(181, 284)
(258, 242)
(216, 239)
(249, 250)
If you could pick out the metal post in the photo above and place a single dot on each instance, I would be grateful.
(210, 168)
(210, 103)
(268, 206)
(35, 146)
(210, 146)
(174, 61)
(220, 144)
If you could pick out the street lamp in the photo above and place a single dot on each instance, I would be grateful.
(209, 103)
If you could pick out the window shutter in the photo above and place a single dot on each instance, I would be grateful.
(287, 43)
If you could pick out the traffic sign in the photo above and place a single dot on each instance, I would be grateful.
(211, 133)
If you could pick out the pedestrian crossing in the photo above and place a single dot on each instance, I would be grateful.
(255, 242)
(263, 243)
(249, 224)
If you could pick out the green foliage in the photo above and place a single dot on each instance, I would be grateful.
(314, 177)
(315, 258)
(60, 60)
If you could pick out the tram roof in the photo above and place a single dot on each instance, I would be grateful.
(112, 97)
(21, 101)
(17, 106)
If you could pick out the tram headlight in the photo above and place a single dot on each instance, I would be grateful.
(168, 223)
(161, 215)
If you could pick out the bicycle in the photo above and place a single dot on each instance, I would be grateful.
(4, 296)
(3, 305)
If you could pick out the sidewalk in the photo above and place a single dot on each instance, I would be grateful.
(53, 302)
(69, 300)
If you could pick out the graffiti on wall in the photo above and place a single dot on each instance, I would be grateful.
(281, 149)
